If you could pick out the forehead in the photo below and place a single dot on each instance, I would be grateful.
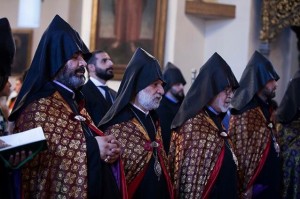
(77, 54)
(102, 55)
(271, 82)
(157, 82)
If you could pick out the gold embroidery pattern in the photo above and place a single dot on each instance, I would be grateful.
(61, 171)
(277, 15)
(250, 134)
(194, 150)
(133, 139)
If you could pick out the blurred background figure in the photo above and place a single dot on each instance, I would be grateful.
(13, 95)
(171, 101)
(288, 116)
(7, 52)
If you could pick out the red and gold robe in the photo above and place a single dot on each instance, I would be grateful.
(196, 155)
(138, 152)
(251, 135)
(62, 170)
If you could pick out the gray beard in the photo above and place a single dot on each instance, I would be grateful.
(71, 82)
(145, 100)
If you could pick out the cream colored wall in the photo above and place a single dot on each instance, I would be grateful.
(185, 48)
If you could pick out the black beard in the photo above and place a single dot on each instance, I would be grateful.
(178, 96)
(270, 95)
(72, 82)
(70, 79)
(103, 74)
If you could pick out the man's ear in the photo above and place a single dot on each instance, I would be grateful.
(91, 67)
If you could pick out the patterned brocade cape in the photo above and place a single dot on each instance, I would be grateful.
(251, 135)
(60, 171)
(138, 152)
(196, 152)
(289, 137)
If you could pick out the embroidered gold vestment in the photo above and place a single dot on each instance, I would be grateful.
(196, 154)
(60, 171)
(137, 151)
(251, 136)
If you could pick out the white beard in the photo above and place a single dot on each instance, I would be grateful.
(147, 101)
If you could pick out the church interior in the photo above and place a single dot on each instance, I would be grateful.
(184, 32)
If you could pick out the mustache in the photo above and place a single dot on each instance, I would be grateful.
(80, 70)
(158, 96)
(110, 68)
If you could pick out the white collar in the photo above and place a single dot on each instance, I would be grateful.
(65, 87)
(145, 112)
(96, 82)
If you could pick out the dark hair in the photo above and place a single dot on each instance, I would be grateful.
(3, 81)
(93, 59)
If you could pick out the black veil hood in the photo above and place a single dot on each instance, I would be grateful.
(57, 45)
(142, 70)
(214, 76)
(256, 75)
(290, 104)
(7, 51)
(7, 47)
(172, 75)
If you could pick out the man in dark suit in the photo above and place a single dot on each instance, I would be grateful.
(98, 96)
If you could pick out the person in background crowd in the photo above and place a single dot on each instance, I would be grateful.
(202, 159)
(13, 95)
(7, 52)
(8, 189)
(288, 116)
(98, 96)
(171, 100)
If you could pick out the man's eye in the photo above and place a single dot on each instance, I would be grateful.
(104, 60)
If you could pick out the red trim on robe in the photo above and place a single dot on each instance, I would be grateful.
(168, 179)
(214, 174)
(132, 187)
(137, 180)
(260, 165)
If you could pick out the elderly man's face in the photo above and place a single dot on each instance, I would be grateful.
(222, 101)
(72, 75)
(149, 98)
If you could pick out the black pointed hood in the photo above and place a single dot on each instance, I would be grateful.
(7, 51)
(142, 70)
(7, 47)
(172, 75)
(214, 76)
(57, 45)
(256, 75)
(290, 104)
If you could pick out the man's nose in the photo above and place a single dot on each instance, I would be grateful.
(160, 89)
(82, 63)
